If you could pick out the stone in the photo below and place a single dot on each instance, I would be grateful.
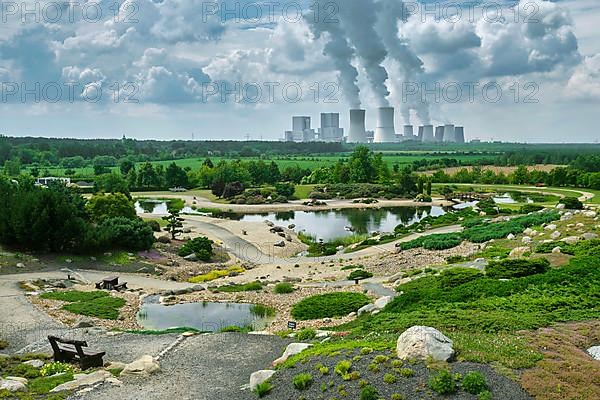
(594, 351)
(528, 232)
(550, 227)
(281, 243)
(366, 309)
(116, 365)
(191, 257)
(24, 381)
(510, 236)
(12, 385)
(291, 226)
(423, 342)
(291, 350)
(518, 252)
(589, 236)
(566, 216)
(556, 250)
(590, 214)
(571, 239)
(187, 230)
(84, 323)
(259, 377)
(560, 206)
(144, 365)
(555, 235)
(526, 239)
(165, 239)
(352, 314)
(579, 225)
(20, 265)
(84, 380)
(35, 363)
(68, 261)
(381, 302)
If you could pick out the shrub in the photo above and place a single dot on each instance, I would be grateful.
(389, 378)
(216, 274)
(474, 382)
(366, 350)
(262, 389)
(369, 393)
(359, 274)
(245, 287)
(452, 277)
(398, 396)
(343, 367)
(571, 203)
(443, 383)
(306, 334)
(565, 248)
(456, 259)
(55, 368)
(380, 359)
(196, 245)
(440, 241)
(487, 231)
(134, 234)
(406, 372)
(515, 268)
(485, 395)
(284, 288)
(154, 224)
(302, 381)
(529, 208)
(329, 305)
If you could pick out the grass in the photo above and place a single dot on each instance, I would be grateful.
(44, 385)
(245, 287)
(216, 274)
(333, 347)
(329, 305)
(93, 304)
(284, 288)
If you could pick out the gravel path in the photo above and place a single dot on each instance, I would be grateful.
(204, 367)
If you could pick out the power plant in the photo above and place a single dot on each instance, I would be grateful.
(385, 132)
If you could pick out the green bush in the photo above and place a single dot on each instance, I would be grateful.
(529, 208)
(545, 248)
(55, 368)
(571, 203)
(369, 393)
(389, 378)
(515, 268)
(440, 241)
(94, 304)
(202, 246)
(302, 381)
(244, 287)
(306, 334)
(499, 230)
(329, 305)
(406, 372)
(452, 277)
(262, 389)
(343, 367)
(485, 395)
(474, 382)
(284, 288)
(154, 224)
(359, 274)
(443, 383)
(131, 234)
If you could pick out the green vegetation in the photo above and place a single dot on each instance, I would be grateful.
(216, 274)
(262, 311)
(103, 206)
(443, 382)
(571, 203)
(516, 268)
(453, 277)
(474, 383)
(359, 274)
(342, 368)
(262, 389)
(55, 368)
(236, 329)
(284, 288)
(302, 381)
(389, 378)
(369, 393)
(305, 334)
(486, 231)
(329, 305)
(244, 287)
(93, 304)
(440, 241)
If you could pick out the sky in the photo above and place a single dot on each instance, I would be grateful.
(523, 71)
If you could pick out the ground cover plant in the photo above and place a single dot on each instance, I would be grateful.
(440, 241)
(284, 288)
(486, 231)
(329, 305)
(244, 287)
(92, 304)
(515, 268)
(216, 274)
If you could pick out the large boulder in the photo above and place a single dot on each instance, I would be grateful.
(290, 350)
(423, 342)
(35, 363)
(527, 240)
(571, 239)
(381, 302)
(144, 365)
(589, 236)
(519, 252)
(594, 351)
(550, 227)
(84, 380)
(366, 309)
(259, 377)
(13, 385)
(555, 235)
(590, 214)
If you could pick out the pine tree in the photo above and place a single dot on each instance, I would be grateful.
(174, 221)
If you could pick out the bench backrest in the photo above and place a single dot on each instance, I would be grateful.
(77, 343)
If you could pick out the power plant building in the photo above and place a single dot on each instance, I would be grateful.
(428, 134)
(459, 134)
(358, 132)
(439, 133)
(301, 130)
(385, 131)
(330, 130)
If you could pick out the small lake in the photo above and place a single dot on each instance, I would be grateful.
(332, 224)
(511, 198)
(204, 316)
(157, 207)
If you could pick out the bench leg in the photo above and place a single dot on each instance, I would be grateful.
(91, 362)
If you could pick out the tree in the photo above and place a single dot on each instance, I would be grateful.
(111, 183)
(285, 189)
(174, 221)
(447, 192)
(103, 206)
(126, 166)
(361, 166)
(428, 187)
(233, 189)
(12, 167)
(175, 176)
(127, 233)
(147, 177)
(208, 163)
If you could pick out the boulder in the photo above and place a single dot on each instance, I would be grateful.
(556, 250)
(423, 342)
(191, 257)
(594, 351)
(259, 377)
(281, 243)
(164, 239)
(12, 385)
(84, 380)
(550, 227)
(555, 235)
(366, 309)
(144, 365)
(518, 252)
(526, 239)
(528, 232)
(381, 302)
(571, 240)
(510, 236)
(290, 350)
(590, 214)
(589, 236)
(560, 206)
(35, 363)
(84, 323)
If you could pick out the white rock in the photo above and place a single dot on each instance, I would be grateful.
(24, 381)
(382, 302)
(422, 342)
(551, 227)
(510, 236)
(12, 385)
(560, 206)
(589, 236)
(590, 214)
(528, 231)
(366, 309)
(259, 377)
(83, 380)
(144, 365)
(555, 235)
(35, 363)
(526, 239)
(571, 240)
(594, 351)
(518, 252)
(557, 250)
(290, 350)
(579, 225)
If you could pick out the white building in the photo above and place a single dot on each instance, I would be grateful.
(330, 130)
(301, 130)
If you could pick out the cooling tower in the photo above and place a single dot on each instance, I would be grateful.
(439, 133)
(449, 135)
(408, 132)
(385, 132)
(428, 133)
(357, 133)
(459, 134)
(420, 137)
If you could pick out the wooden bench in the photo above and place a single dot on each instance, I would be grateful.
(73, 350)
(111, 283)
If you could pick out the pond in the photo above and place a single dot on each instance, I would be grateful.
(158, 207)
(512, 198)
(333, 224)
(204, 316)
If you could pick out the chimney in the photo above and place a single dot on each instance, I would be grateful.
(459, 134)
(449, 135)
(428, 134)
(385, 132)
(357, 133)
